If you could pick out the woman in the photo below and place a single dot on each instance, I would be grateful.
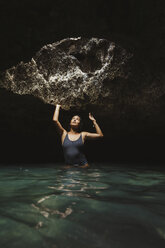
(73, 141)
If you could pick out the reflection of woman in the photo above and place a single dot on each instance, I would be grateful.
(73, 141)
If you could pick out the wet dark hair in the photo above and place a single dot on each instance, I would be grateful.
(81, 122)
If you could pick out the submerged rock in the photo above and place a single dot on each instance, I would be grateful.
(74, 72)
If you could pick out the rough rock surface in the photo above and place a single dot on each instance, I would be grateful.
(75, 72)
(96, 75)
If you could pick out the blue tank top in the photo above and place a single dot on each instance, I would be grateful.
(73, 151)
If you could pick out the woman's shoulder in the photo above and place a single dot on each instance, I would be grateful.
(63, 136)
(83, 133)
(64, 133)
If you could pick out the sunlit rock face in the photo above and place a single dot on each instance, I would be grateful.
(74, 72)
(126, 97)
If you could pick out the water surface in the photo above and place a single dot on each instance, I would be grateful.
(114, 206)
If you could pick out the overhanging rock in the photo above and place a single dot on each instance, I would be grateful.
(74, 72)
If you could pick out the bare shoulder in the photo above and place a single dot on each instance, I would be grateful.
(84, 134)
(63, 135)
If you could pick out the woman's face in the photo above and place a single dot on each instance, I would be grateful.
(75, 121)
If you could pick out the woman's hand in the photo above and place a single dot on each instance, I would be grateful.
(91, 117)
(58, 106)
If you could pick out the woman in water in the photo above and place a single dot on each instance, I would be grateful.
(73, 141)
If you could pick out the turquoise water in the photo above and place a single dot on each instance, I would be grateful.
(115, 206)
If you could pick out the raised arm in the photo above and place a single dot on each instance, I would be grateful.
(98, 133)
(55, 119)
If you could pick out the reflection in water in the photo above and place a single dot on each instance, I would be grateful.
(115, 206)
(46, 211)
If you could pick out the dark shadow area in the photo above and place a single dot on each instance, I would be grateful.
(28, 25)
(28, 135)
(27, 131)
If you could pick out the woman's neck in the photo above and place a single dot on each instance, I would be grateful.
(73, 131)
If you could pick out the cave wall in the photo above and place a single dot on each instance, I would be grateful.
(28, 135)
(27, 131)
